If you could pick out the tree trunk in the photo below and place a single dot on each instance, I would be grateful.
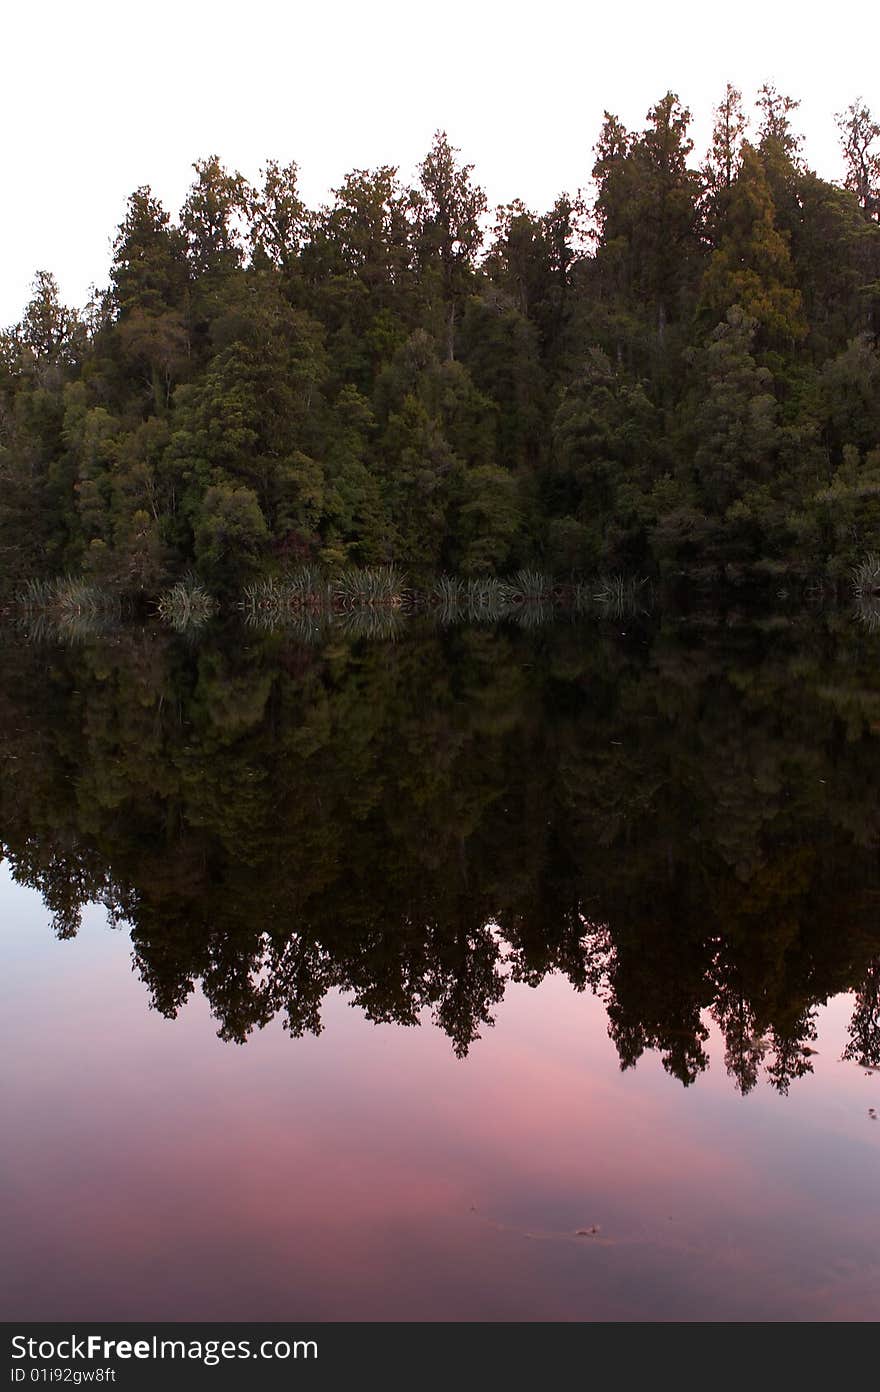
(450, 333)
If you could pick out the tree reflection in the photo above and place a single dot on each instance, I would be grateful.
(682, 820)
(863, 1045)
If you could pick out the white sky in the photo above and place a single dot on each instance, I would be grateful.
(101, 97)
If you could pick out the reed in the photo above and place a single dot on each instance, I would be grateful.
(867, 608)
(533, 613)
(304, 625)
(37, 594)
(529, 586)
(449, 591)
(77, 598)
(187, 605)
(866, 575)
(306, 588)
(67, 609)
(369, 622)
(48, 626)
(369, 588)
(67, 595)
(264, 597)
(488, 600)
(612, 596)
(531, 597)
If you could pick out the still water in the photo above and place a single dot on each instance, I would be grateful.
(472, 974)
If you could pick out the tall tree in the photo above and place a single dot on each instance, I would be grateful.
(449, 208)
(609, 170)
(723, 161)
(150, 296)
(48, 328)
(149, 270)
(646, 212)
(779, 147)
(369, 229)
(860, 138)
(775, 126)
(665, 229)
(752, 266)
(276, 215)
(210, 217)
(532, 258)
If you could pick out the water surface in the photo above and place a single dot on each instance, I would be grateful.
(480, 974)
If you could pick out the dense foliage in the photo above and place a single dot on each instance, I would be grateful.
(681, 375)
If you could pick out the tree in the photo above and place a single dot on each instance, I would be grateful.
(859, 133)
(531, 258)
(863, 1032)
(752, 265)
(487, 521)
(837, 263)
(561, 226)
(601, 450)
(48, 329)
(646, 210)
(666, 226)
(448, 210)
(149, 271)
(609, 175)
(369, 230)
(359, 271)
(723, 162)
(518, 259)
(276, 215)
(159, 343)
(501, 349)
(775, 127)
(691, 385)
(779, 147)
(355, 526)
(210, 217)
(230, 534)
(737, 422)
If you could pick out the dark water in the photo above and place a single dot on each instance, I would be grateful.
(478, 974)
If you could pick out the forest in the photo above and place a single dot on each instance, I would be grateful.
(673, 374)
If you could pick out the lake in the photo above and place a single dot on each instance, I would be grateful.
(526, 971)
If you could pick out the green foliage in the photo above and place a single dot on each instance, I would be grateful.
(752, 267)
(149, 273)
(229, 532)
(684, 376)
(737, 422)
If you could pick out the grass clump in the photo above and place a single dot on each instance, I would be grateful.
(369, 588)
(611, 596)
(306, 596)
(67, 596)
(68, 608)
(186, 605)
(530, 586)
(866, 575)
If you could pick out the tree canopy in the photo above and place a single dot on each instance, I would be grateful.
(671, 369)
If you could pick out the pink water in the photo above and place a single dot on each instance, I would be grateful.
(151, 1171)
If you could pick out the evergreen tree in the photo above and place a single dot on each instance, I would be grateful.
(449, 207)
(752, 266)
